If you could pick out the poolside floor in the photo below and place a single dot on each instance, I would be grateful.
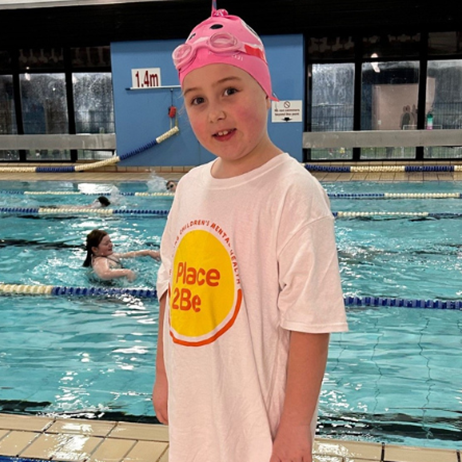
(72, 440)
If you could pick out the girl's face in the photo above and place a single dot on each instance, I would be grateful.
(228, 113)
(104, 248)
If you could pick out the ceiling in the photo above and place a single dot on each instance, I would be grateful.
(101, 22)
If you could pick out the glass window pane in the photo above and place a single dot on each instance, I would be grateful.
(93, 103)
(444, 94)
(44, 104)
(9, 155)
(328, 48)
(443, 152)
(390, 45)
(444, 43)
(48, 155)
(87, 154)
(7, 110)
(41, 58)
(332, 98)
(389, 95)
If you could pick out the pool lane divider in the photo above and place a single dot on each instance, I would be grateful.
(20, 289)
(396, 214)
(75, 291)
(79, 193)
(395, 195)
(103, 163)
(384, 168)
(435, 195)
(82, 210)
(148, 212)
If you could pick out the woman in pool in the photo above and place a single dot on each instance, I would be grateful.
(105, 263)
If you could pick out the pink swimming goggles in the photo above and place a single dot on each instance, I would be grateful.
(224, 39)
(220, 42)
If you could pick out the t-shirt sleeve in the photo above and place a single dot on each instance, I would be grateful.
(311, 298)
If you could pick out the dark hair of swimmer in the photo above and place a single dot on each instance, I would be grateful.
(104, 201)
(93, 240)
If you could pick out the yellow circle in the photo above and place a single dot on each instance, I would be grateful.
(203, 285)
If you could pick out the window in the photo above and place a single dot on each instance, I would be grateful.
(389, 97)
(93, 104)
(7, 110)
(44, 103)
(332, 104)
(444, 103)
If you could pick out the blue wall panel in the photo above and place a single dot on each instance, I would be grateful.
(142, 115)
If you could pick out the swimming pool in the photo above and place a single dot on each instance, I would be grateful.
(389, 379)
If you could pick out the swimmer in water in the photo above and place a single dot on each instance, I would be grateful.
(105, 263)
(99, 203)
(171, 186)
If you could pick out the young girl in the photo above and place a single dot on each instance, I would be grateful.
(105, 263)
(249, 285)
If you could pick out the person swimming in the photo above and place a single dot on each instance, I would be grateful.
(171, 186)
(105, 263)
(98, 203)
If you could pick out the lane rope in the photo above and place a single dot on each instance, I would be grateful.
(92, 166)
(81, 210)
(384, 168)
(77, 193)
(435, 195)
(23, 289)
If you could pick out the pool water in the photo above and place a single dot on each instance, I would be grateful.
(392, 378)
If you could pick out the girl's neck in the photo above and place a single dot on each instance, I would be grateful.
(222, 169)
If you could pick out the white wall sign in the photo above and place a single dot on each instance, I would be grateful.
(146, 78)
(286, 111)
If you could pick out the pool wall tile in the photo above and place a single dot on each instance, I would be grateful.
(82, 427)
(352, 449)
(410, 454)
(140, 432)
(70, 448)
(111, 450)
(23, 422)
(15, 442)
(148, 451)
(318, 458)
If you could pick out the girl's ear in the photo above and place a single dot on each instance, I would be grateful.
(268, 102)
(94, 250)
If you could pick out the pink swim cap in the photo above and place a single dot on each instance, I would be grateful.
(224, 39)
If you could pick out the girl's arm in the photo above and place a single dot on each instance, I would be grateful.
(140, 253)
(103, 271)
(305, 371)
(160, 390)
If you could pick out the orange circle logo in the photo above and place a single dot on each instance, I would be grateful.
(204, 296)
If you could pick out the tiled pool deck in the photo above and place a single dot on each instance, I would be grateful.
(72, 440)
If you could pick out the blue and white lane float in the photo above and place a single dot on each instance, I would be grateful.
(395, 195)
(75, 291)
(79, 193)
(384, 168)
(99, 164)
(42, 211)
(435, 195)
(23, 289)
(81, 210)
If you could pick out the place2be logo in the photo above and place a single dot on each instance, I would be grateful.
(205, 294)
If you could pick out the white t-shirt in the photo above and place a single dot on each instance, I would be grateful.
(245, 260)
